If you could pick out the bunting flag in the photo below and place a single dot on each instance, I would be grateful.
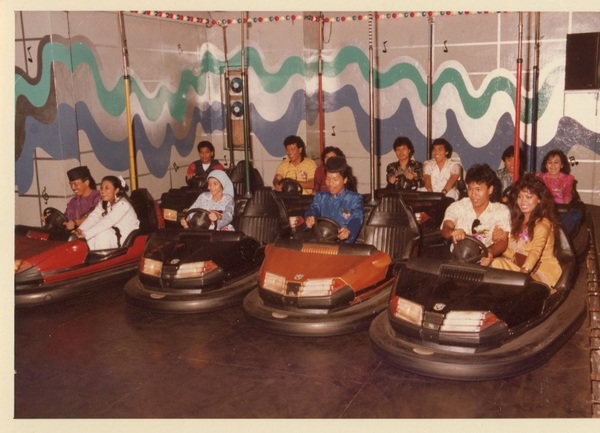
(293, 17)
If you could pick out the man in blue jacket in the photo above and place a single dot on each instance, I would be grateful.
(337, 203)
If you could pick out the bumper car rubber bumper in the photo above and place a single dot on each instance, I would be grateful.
(517, 356)
(61, 290)
(314, 323)
(140, 296)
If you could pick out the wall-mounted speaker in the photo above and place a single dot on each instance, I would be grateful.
(237, 85)
(236, 108)
(582, 70)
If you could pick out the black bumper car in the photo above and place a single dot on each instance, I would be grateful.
(199, 270)
(456, 320)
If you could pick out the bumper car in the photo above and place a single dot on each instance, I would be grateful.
(316, 287)
(176, 200)
(429, 209)
(198, 270)
(454, 319)
(51, 264)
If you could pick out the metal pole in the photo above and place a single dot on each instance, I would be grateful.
(246, 105)
(126, 80)
(371, 110)
(429, 87)
(321, 108)
(228, 101)
(535, 96)
(517, 137)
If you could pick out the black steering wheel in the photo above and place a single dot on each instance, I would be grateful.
(290, 186)
(326, 230)
(197, 181)
(200, 220)
(469, 250)
(54, 219)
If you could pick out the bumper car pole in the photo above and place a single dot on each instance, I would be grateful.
(126, 80)
(534, 98)
(246, 104)
(371, 111)
(517, 137)
(228, 100)
(321, 109)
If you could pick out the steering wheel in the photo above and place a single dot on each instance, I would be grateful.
(469, 250)
(326, 230)
(200, 220)
(54, 219)
(290, 186)
(197, 181)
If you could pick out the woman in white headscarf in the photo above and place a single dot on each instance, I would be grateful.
(218, 200)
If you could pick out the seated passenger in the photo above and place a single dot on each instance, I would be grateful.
(337, 203)
(112, 220)
(533, 232)
(206, 163)
(556, 174)
(328, 152)
(297, 166)
(476, 215)
(85, 199)
(218, 200)
(406, 173)
(506, 173)
(440, 173)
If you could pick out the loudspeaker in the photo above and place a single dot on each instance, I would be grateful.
(236, 108)
(582, 71)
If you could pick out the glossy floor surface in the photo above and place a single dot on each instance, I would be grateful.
(97, 357)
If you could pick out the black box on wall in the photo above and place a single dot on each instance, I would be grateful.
(582, 70)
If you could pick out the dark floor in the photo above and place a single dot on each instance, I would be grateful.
(96, 357)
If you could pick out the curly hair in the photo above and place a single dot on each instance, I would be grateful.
(566, 167)
(295, 139)
(545, 209)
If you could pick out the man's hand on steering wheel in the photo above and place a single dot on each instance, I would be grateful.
(343, 233)
(457, 235)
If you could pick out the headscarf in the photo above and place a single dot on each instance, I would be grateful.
(222, 177)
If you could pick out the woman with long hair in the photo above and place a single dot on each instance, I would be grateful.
(534, 232)
(113, 218)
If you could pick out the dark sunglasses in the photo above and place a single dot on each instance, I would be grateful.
(476, 223)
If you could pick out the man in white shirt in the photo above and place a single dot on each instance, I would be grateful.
(476, 215)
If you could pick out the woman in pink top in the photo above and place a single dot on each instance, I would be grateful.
(556, 174)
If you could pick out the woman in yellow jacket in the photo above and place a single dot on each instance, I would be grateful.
(534, 230)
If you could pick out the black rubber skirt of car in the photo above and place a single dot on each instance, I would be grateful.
(140, 296)
(517, 356)
(314, 323)
(66, 289)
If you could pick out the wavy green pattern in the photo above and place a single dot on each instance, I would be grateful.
(113, 100)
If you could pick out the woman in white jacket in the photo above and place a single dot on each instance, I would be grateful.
(112, 220)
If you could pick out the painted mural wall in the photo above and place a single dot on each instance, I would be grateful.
(70, 98)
